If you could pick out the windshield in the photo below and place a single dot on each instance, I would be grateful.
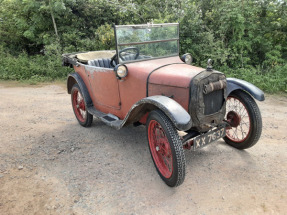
(142, 42)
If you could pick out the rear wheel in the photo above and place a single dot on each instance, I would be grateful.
(79, 106)
(245, 120)
(165, 148)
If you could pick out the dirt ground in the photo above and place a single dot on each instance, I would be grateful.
(49, 164)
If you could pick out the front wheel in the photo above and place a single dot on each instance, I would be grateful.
(245, 120)
(84, 118)
(166, 148)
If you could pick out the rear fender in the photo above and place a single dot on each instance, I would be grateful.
(74, 78)
(235, 84)
(174, 111)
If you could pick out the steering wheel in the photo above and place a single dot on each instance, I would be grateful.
(114, 58)
(113, 62)
(129, 48)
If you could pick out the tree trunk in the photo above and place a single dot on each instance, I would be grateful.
(53, 19)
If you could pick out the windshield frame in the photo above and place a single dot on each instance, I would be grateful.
(143, 26)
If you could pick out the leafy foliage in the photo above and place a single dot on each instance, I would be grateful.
(246, 39)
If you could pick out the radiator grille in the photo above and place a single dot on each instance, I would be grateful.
(213, 102)
(207, 109)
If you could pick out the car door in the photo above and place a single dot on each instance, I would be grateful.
(104, 86)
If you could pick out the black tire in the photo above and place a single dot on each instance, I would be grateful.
(251, 113)
(159, 125)
(84, 118)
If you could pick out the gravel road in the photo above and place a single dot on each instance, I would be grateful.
(49, 164)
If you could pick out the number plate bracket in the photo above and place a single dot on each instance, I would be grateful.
(209, 137)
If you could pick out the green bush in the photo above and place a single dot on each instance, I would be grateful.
(270, 81)
(245, 39)
(37, 68)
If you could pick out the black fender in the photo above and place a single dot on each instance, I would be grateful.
(74, 78)
(174, 111)
(235, 84)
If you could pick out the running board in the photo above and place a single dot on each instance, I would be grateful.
(109, 119)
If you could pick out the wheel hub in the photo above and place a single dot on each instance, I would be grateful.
(233, 118)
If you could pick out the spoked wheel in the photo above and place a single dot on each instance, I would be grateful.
(165, 148)
(243, 115)
(79, 106)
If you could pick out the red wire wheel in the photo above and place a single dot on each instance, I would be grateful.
(244, 118)
(78, 103)
(160, 149)
(165, 148)
(239, 119)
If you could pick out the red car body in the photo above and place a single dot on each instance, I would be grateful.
(165, 93)
(111, 95)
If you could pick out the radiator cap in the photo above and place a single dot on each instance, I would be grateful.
(209, 65)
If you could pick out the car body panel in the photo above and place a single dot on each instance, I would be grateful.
(134, 87)
(173, 81)
(104, 86)
(179, 94)
(105, 89)
(177, 75)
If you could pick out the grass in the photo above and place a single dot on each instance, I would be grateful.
(27, 83)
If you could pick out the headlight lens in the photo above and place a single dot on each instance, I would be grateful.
(187, 58)
(122, 71)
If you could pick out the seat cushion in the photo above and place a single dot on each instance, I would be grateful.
(103, 62)
(129, 57)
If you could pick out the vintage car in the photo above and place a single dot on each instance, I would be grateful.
(145, 82)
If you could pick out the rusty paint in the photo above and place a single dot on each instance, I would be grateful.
(179, 94)
(110, 95)
(93, 69)
(104, 87)
(133, 88)
(177, 75)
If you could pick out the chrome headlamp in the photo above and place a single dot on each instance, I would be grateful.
(121, 71)
(186, 58)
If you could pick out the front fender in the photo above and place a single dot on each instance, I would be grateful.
(76, 78)
(235, 84)
(174, 111)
